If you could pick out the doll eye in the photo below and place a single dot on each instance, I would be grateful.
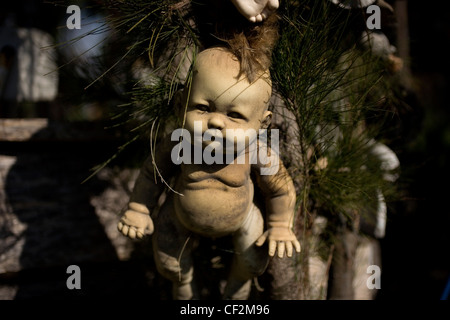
(235, 115)
(202, 107)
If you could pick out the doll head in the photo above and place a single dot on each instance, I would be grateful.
(222, 98)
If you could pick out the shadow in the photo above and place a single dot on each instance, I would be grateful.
(50, 224)
(9, 71)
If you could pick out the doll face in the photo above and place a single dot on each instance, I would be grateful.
(220, 101)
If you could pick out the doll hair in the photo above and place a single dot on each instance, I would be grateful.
(220, 24)
(253, 47)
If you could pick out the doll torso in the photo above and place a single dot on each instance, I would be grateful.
(216, 198)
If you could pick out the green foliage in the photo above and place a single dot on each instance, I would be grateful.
(331, 88)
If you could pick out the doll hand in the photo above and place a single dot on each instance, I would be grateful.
(136, 221)
(256, 10)
(281, 239)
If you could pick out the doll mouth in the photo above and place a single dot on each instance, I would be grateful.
(217, 146)
(214, 139)
(212, 135)
(213, 147)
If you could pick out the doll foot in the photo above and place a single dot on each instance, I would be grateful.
(237, 290)
(183, 291)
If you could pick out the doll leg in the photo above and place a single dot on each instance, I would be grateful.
(249, 261)
(172, 247)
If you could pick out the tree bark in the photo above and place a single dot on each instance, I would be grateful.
(342, 271)
(288, 278)
(403, 42)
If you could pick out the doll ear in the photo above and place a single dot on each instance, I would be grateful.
(267, 119)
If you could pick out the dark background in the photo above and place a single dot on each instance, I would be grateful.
(416, 262)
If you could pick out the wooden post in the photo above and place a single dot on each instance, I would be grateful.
(403, 47)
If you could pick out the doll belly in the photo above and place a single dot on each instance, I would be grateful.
(213, 212)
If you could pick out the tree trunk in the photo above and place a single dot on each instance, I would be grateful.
(403, 47)
(288, 278)
(342, 271)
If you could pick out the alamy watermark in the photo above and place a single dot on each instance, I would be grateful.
(74, 21)
(373, 21)
(74, 280)
(235, 147)
(374, 280)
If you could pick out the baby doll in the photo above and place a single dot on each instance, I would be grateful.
(215, 200)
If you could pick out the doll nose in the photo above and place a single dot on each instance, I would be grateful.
(216, 122)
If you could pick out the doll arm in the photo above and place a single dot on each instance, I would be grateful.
(136, 221)
(279, 193)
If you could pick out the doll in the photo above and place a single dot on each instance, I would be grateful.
(355, 4)
(215, 200)
(252, 10)
(256, 10)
